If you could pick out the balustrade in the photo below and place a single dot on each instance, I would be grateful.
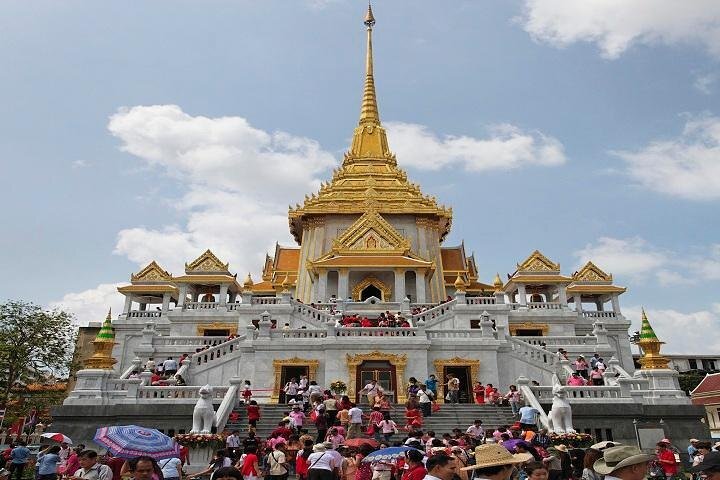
(144, 314)
(188, 340)
(216, 352)
(559, 340)
(297, 333)
(599, 314)
(175, 392)
(480, 300)
(375, 332)
(434, 314)
(582, 393)
(266, 300)
(544, 306)
(455, 333)
(201, 306)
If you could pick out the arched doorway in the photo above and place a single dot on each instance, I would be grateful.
(370, 291)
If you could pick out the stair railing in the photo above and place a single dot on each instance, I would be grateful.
(228, 404)
(530, 399)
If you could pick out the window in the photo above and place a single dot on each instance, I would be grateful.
(598, 434)
(693, 364)
(708, 365)
(608, 434)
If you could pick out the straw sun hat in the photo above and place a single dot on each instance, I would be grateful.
(618, 457)
(492, 455)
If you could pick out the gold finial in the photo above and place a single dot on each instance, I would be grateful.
(369, 18)
(459, 284)
(650, 346)
(248, 283)
(369, 112)
(103, 346)
(497, 283)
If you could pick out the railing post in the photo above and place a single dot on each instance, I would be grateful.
(601, 334)
(246, 297)
(265, 325)
(133, 384)
(145, 377)
(486, 325)
(405, 306)
(330, 328)
(421, 332)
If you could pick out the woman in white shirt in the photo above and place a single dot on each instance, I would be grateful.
(388, 427)
(321, 464)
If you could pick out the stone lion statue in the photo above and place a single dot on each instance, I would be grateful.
(560, 416)
(204, 412)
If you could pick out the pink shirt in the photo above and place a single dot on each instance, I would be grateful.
(575, 381)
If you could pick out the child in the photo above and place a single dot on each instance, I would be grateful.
(247, 393)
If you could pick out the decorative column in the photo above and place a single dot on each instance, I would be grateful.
(486, 325)
(128, 304)
(246, 294)
(420, 286)
(499, 291)
(182, 296)
(322, 287)
(522, 294)
(615, 303)
(599, 305)
(166, 303)
(343, 283)
(460, 291)
(399, 284)
(223, 295)
(578, 303)
(562, 294)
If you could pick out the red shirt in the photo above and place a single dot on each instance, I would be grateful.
(248, 467)
(301, 465)
(253, 412)
(667, 454)
(417, 472)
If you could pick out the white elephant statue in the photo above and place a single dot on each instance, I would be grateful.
(204, 411)
(560, 416)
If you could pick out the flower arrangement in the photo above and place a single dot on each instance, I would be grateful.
(338, 386)
(196, 440)
(575, 440)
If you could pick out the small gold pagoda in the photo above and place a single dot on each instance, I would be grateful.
(103, 345)
(650, 346)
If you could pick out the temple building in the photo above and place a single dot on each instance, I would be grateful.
(369, 243)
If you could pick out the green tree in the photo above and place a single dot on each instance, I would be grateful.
(34, 343)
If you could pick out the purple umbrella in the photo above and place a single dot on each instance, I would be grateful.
(129, 441)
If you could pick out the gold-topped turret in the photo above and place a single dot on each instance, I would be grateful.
(459, 284)
(498, 283)
(103, 346)
(369, 176)
(650, 346)
(248, 283)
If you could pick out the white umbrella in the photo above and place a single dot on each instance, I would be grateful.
(58, 437)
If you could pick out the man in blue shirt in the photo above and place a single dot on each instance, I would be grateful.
(528, 418)
(431, 384)
(19, 458)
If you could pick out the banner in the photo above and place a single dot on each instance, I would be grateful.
(17, 427)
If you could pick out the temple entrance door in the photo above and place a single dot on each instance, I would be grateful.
(462, 373)
(370, 291)
(381, 371)
(529, 332)
(216, 332)
(286, 373)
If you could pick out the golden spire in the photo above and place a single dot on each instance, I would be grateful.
(459, 284)
(650, 346)
(497, 283)
(103, 345)
(369, 111)
(248, 283)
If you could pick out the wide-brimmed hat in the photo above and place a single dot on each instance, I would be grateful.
(619, 457)
(605, 444)
(710, 460)
(319, 447)
(494, 455)
(561, 447)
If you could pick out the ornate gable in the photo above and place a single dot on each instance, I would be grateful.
(592, 273)
(371, 233)
(151, 273)
(206, 263)
(537, 262)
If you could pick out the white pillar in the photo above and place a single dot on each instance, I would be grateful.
(322, 287)
(562, 294)
(128, 304)
(343, 285)
(166, 302)
(420, 286)
(615, 303)
(399, 284)
(182, 295)
(578, 303)
(522, 294)
(223, 294)
(599, 305)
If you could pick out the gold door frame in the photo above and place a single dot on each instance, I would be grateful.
(397, 361)
(291, 362)
(514, 327)
(232, 328)
(440, 365)
(385, 290)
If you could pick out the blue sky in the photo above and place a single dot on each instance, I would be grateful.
(153, 130)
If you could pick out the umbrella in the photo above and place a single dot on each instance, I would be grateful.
(390, 453)
(604, 445)
(129, 441)
(356, 442)
(58, 437)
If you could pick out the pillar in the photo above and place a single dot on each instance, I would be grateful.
(399, 284)
(420, 286)
(343, 285)
(615, 303)
(522, 294)
(223, 294)
(599, 305)
(577, 299)
(143, 307)
(182, 296)
(562, 294)
(322, 287)
(128, 304)
(166, 302)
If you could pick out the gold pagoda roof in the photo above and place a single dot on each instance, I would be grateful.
(591, 279)
(369, 176)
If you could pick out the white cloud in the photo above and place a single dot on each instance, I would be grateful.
(507, 147)
(91, 305)
(630, 256)
(683, 332)
(687, 167)
(615, 25)
(80, 164)
(704, 83)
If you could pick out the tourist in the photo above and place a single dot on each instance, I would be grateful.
(232, 442)
(431, 384)
(349, 465)
(356, 415)
(251, 464)
(172, 469)
(476, 431)
(413, 418)
(461, 461)
(90, 469)
(382, 470)
(331, 409)
(47, 463)
(219, 460)
(453, 389)
(374, 419)
(320, 423)
(343, 416)
(623, 462)
(334, 438)
(388, 427)
(277, 463)
(170, 367)
(364, 469)
(253, 413)
(382, 401)
(291, 388)
(143, 468)
(702, 449)
(301, 465)
(322, 465)
(596, 377)
(513, 397)
(440, 467)
(19, 458)
(64, 454)
(250, 442)
(413, 387)
(291, 452)
(73, 462)
(709, 467)
(528, 417)
(479, 393)
(297, 418)
(666, 458)
(591, 456)
(227, 473)
(246, 392)
(692, 449)
(575, 380)
(282, 430)
(372, 389)
(425, 400)
(581, 366)
(601, 365)
(524, 447)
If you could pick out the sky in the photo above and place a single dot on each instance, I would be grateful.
(139, 131)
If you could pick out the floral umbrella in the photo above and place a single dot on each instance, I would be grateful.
(129, 441)
(58, 437)
(388, 454)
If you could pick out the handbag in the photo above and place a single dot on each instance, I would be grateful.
(656, 471)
